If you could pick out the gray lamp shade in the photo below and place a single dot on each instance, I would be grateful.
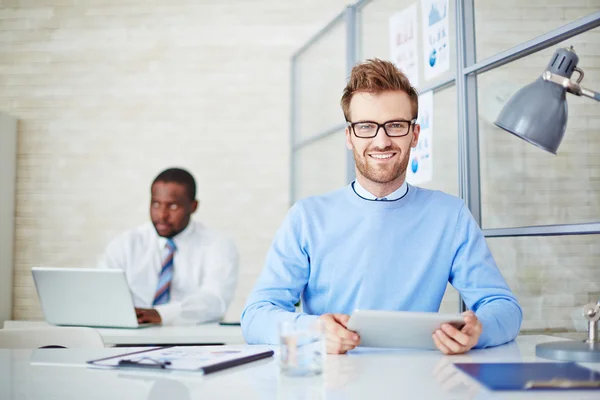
(537, 113)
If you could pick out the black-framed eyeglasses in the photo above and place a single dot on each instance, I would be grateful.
(393, 128)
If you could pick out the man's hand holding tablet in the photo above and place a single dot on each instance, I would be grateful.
(337, 337)
(450, 340)
(450, 333)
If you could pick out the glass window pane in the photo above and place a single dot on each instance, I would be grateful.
(500, 25)
(523, 185)
(451, 301)
(445, 163)
(373, 20)
(320, 80)
(445, 143)
(321, 166)
(553, 277)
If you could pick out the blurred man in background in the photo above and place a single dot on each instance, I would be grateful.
(178, 271)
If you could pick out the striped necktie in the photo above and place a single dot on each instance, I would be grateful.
(163, 289)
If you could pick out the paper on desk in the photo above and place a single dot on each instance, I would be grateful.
(184, 358)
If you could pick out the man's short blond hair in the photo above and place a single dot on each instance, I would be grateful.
(377, 76)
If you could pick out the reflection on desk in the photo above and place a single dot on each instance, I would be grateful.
(361, 374)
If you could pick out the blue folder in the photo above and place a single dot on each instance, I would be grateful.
(532, 376)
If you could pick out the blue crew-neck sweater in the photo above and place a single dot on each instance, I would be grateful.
(340, 252)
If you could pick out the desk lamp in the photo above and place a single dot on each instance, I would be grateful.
(538, 114)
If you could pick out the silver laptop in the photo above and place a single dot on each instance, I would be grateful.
(85, 297)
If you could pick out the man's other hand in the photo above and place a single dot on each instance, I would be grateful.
(450, 340)
(338, 338)
(147, 315)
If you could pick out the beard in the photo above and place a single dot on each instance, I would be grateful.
(172, 229)
(378, 173)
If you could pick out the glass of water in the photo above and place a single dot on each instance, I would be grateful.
(301, 348)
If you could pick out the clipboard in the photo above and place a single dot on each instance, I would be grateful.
(532, 376)
(199, 359)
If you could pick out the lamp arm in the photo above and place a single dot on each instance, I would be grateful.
(570, 86)
(591, 312)
(590, 93)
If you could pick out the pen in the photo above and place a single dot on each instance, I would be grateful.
(561, 384)
(150, 363)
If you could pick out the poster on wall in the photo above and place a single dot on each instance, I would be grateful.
(403, 43)
(436, 43)
(420, 164)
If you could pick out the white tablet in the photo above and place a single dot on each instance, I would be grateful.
(399, 329)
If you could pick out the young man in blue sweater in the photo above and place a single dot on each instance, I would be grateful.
(379, 243)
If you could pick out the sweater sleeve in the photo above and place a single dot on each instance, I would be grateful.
(280, 285)
(477, 278)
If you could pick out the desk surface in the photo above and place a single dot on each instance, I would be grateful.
(157, 335)
(361, 374)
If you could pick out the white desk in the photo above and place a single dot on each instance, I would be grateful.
(156, 335)
(363, 374)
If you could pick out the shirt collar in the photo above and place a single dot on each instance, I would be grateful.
(395, 195)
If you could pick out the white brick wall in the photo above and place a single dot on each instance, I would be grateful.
(108, 93)
(8, 172)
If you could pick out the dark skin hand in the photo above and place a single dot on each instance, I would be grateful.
(147, 315)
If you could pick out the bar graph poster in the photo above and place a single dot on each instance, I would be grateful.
(403, 43)
(436, 44)
(420, 164)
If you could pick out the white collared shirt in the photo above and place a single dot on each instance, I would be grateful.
(205, 268)
(395, 195)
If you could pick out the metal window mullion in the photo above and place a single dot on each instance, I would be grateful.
(438, 86)
(351, 60)
(360, 4)
(591, 228)
(539, 43)
(293, 119)
(468, 129)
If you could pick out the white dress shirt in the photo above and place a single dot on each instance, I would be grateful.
(205, 268)
(365, 194)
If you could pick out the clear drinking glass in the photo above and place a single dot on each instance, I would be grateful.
(301, 348)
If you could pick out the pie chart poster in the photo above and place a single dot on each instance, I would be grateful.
(436, 46)
(420, 163)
